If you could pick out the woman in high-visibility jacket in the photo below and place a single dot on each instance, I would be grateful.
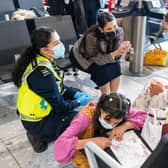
(44, 104)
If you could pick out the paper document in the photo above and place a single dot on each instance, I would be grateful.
(131, 151)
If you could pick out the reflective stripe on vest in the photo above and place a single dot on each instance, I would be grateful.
(41, 61)
(27, 118)
(31, 106)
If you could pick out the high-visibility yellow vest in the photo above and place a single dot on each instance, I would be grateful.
(31, 106)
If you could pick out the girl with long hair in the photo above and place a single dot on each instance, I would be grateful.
(99, 123)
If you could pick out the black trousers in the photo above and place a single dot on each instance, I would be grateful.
(91, 7)
(49, 128)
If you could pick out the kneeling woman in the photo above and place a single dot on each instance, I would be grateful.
(44, 104)
(112, 116)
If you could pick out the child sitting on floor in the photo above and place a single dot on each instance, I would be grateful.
(111, 116)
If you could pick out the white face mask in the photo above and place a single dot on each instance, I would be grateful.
(106, 125)
(59, 51)
(165, 36)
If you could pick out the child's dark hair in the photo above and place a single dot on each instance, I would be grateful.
(115, 104)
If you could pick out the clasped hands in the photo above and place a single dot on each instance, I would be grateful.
(122, 49)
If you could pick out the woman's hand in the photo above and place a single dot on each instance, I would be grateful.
(123, 49)
(102, 142)
(156, 88)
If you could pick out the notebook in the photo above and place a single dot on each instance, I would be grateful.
(131, 152)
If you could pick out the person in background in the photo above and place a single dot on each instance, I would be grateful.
(153, 95)
(76, 10)
(70, 7)
(99, 123)
(22, 14)
(98, 51)
(165, 27)
(162, 34)
(44, 104)
(91, 10)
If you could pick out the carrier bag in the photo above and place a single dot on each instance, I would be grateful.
(152, 129)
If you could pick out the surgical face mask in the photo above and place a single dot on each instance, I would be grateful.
(58, 51)
(165, 36)
(106, 125)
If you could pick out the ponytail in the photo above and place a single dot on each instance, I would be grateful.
(26, 57)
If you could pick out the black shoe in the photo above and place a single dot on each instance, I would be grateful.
(38, 146)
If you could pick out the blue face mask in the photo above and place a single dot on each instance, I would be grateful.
(165, 36)
(59, 51)
(106, 125)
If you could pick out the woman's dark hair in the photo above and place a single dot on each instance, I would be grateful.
(115, 105)
(39, 38)
(102, 19)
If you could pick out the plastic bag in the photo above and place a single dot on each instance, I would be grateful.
(152, 129)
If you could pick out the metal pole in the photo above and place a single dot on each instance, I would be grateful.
(138, 41)
(136, 63)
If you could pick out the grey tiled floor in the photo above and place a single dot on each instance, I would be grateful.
(16, 152)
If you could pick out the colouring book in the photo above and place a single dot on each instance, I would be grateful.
(131, 151)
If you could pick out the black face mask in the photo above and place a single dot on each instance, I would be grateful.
(110, 38)
(110, 35)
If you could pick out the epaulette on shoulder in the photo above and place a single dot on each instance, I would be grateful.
(45, 72)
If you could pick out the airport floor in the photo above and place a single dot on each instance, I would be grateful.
(15, 150)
